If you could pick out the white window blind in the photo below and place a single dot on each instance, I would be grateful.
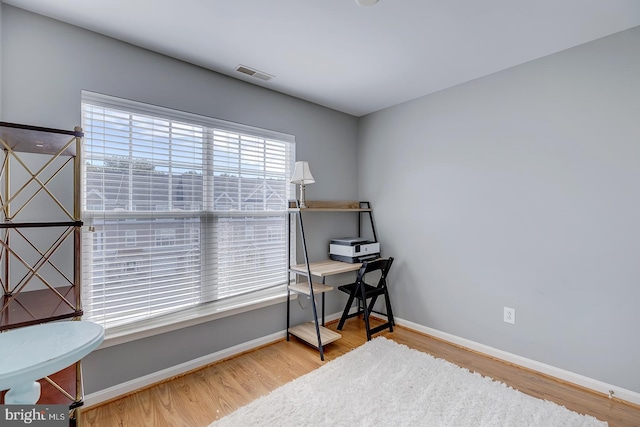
(182, 209)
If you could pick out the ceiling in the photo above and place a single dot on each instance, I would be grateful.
(344, 56)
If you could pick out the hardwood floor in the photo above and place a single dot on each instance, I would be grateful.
(200, 397)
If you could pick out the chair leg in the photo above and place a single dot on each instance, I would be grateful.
(389, 311)
(347, 307)
(372, 303)
(366, 311)
(388, 307)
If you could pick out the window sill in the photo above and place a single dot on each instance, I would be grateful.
(194, 316)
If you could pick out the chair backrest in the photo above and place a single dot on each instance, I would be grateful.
(382, 264)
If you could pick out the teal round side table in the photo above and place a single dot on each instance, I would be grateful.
(34, 352)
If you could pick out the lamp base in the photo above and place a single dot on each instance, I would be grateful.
(302, 204)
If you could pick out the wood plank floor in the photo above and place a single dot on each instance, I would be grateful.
(200, 397)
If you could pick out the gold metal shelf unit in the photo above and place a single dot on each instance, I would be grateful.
(40, 238)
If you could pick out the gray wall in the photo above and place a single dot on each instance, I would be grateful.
(46, 64)
(520, 189)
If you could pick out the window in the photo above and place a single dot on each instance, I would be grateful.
(183, 209)
(98, 241)
(130, 237)
(165, 237)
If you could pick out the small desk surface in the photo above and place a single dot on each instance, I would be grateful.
(327, 268)
(34, 352)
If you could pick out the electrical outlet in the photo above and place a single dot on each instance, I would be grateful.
(510, 315)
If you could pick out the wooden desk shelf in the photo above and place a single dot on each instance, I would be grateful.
(315, 206)
(304, 288)
(307, 332)
(326, 268)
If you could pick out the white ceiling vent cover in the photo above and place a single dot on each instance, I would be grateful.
(253, 73)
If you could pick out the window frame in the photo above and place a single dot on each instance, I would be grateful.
(208, 309)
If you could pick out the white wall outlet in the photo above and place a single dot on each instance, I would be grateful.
(510, 315)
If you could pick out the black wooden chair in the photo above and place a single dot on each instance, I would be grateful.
(364, 292)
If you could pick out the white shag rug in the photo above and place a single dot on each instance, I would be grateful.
(383, 383)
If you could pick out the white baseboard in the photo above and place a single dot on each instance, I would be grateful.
(561, 374)
(163, 375)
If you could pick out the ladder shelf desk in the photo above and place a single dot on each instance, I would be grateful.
(314, 332)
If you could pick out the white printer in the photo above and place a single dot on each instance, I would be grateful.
(353, 249)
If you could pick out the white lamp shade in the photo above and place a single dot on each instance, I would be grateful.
(302, 174)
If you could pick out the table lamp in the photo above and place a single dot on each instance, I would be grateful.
(302, 175)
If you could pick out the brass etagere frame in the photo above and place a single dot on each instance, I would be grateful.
(41, 291)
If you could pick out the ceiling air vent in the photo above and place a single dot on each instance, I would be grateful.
(253, 73)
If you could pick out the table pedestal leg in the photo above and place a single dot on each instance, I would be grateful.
(27, 394)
